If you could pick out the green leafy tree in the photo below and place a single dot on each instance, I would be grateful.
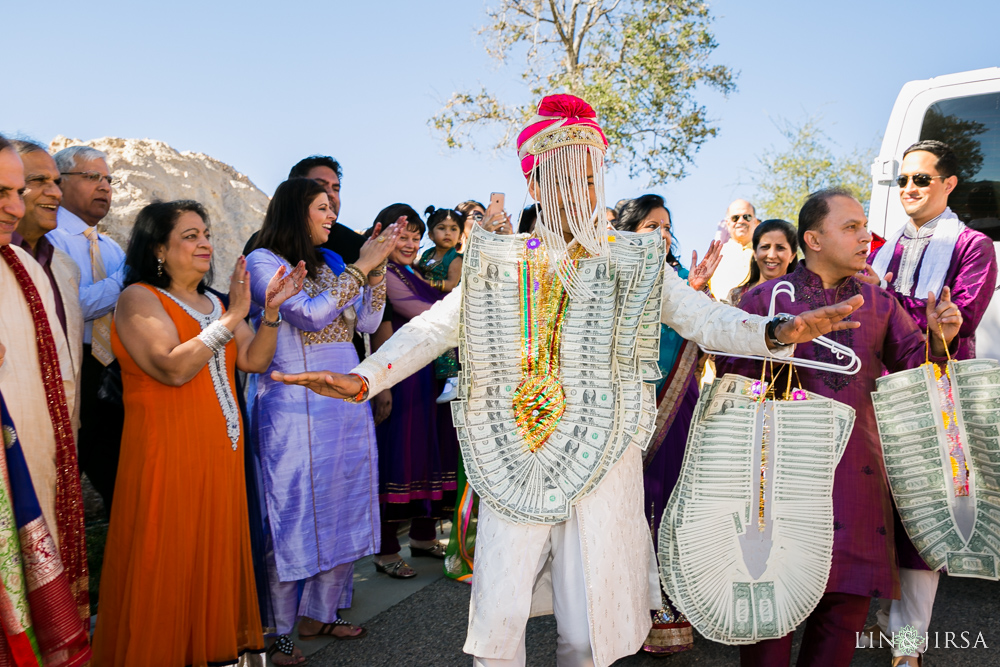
(638, 63)
(785, 177)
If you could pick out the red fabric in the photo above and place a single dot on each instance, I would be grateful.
(69, 496)
(829, 640)
(877, 242)
(564, 110)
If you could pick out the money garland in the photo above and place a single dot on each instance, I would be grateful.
(746, 539)
(941, 447)
(554, 388)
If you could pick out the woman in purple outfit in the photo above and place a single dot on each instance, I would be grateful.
(417, 444)
(317, 455)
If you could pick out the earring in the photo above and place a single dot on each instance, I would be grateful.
(159, 267)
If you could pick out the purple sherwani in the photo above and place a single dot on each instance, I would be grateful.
(971, 277)
(864, 553)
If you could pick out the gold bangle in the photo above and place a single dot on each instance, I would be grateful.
(356, 273)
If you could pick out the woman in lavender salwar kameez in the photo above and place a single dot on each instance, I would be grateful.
(317, 455)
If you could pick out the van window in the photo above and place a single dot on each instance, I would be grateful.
(971, 126)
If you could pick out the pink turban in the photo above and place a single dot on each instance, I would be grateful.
(561, 120)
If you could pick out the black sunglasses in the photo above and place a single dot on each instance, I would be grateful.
(919, 180)
(746, 216)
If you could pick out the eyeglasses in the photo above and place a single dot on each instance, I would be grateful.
(736, 218)
(92, 176)
(919, 180)
(477, 216)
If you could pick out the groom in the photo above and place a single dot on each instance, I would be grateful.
(595, 571)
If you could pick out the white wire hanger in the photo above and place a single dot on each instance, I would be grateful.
(839, 351)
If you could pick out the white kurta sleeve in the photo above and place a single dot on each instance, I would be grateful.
(421, 340)
(713, 324)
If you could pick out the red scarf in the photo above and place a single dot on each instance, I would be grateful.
(69, 497)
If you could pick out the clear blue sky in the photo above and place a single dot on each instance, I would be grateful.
(260, 85)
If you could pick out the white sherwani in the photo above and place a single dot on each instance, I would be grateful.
(618, 557)
(21, 379)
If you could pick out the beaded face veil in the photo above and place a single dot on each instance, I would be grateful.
(556, 148)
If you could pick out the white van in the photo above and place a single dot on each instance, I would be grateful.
(962, 110)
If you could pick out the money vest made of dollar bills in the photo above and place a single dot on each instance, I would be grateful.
(746, 539)
(940, 432)
(554, 388)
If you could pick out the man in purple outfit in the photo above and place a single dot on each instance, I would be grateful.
(933, 250)
(833, 233)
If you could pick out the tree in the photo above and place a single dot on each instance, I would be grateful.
(784, 178)
(637, 63)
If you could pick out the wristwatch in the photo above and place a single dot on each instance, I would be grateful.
(772, 327)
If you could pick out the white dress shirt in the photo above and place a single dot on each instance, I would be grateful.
(96, 299)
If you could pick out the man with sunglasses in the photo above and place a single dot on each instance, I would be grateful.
(933, 250)
(737, 252)
(86, 199)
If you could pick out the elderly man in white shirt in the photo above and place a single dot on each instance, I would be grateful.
(86, 185)
(737, 252)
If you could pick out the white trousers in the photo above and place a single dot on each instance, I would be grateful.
(918, 588)
(569, 600)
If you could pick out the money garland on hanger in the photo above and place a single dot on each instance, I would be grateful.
(554, 388)
(746, 539)
(940, 432)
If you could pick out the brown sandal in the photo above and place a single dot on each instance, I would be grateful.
(392, 569)
(326, 630)
(283, 644)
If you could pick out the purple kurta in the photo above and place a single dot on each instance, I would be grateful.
(971, 277)
(864, 553)
(317, 454)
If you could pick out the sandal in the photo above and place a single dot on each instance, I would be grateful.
(326, 630)
(284, 645)
(436, 551)
(392, 569)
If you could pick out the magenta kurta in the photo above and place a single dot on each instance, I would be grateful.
(864, 553)
(972, 275)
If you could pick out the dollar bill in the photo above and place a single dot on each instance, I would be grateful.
(918, 525)
(978, 379)
(904, 394)
(907, 426)
(742, 614)
(888, 383)
(765, 610)
(907, 437)
(980, 418)
(908, 514)
(917, 482)
(936, 554)
(981, 565)
(975, 365)
(980, 393)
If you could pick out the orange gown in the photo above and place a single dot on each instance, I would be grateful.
(177, 586)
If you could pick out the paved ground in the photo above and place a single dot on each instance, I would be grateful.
(421, 623)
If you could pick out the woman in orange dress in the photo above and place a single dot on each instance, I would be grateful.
(177, 587)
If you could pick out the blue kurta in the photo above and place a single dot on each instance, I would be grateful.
(317, 454)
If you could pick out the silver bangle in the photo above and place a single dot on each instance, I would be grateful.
(215, 336)
(267, 323)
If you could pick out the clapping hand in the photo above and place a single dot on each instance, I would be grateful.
(944, 319)
(282, 287)
(239, 290)
(379, 246)
(700, 274)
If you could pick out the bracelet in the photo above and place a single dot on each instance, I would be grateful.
(355, 273)
(268, 323)
(215, 336)
(378, 270)
(361, 395)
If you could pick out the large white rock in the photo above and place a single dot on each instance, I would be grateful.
(151, 170)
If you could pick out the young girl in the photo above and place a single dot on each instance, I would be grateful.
(441, 266)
